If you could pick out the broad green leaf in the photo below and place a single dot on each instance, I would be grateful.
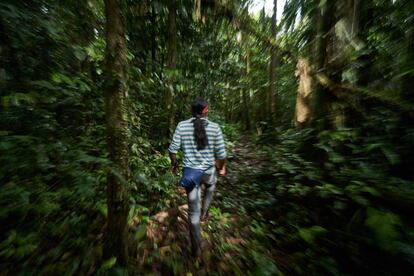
(141, 233)
(384, 226)
(108, 264)
(309, 234)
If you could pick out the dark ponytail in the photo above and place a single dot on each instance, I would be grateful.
(200, 134)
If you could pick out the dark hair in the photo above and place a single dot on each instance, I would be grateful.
(200, 134)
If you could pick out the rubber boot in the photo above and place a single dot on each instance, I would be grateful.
(195, 237)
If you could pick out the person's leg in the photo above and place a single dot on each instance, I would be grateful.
(194, 206)
(209, 181)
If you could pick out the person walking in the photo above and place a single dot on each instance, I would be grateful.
(202, 144)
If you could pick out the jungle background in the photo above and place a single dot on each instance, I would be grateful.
(316, 107)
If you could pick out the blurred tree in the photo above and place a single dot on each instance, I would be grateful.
(246, 92)
(321, 97)
(116, 96)
(171, 64)
(271, 93)
(302, 109)
(408, 80)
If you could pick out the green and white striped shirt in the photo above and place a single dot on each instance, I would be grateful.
(183, 139)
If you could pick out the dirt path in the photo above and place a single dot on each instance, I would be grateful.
(228, 236)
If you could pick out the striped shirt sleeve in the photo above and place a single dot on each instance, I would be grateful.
(219, 149)
(176, 141)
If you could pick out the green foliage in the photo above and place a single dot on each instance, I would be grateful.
(337, 200)
(384, 225)
(346, 193)
(108, 264)
(265, 266)
(309, 234)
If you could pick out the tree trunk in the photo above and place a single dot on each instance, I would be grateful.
(408, 80)
(197, 10)
(244, 93)
(246, 96)
(320, 96)
(270, 98)
(153, 38)
(302, 110)
(9, 59)
(171, 63)
(232, 100)
(116, 95)
(407, 85)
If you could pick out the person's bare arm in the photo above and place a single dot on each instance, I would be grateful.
(174, 148)
(221, 166)
(220, 153)
(174, 162)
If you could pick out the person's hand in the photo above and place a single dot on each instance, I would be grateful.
(222, 171)
(174, 169)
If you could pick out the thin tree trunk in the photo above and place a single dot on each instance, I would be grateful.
(356, 6)
(232, 100)
(171, 62)
(408, 80)
(353, 117)
(270, 98)
(407, 86)
(116, 95)
(197, 10)
(153, 38)
(302, 110)
(9, 60)
(246, 97)
(244, 93)
(227, 108)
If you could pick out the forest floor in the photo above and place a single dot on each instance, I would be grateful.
(231, 236)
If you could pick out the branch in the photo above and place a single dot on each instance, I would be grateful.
(244, 23)
(381, 95)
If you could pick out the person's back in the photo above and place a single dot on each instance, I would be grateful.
(203, 159)
(203, 146)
